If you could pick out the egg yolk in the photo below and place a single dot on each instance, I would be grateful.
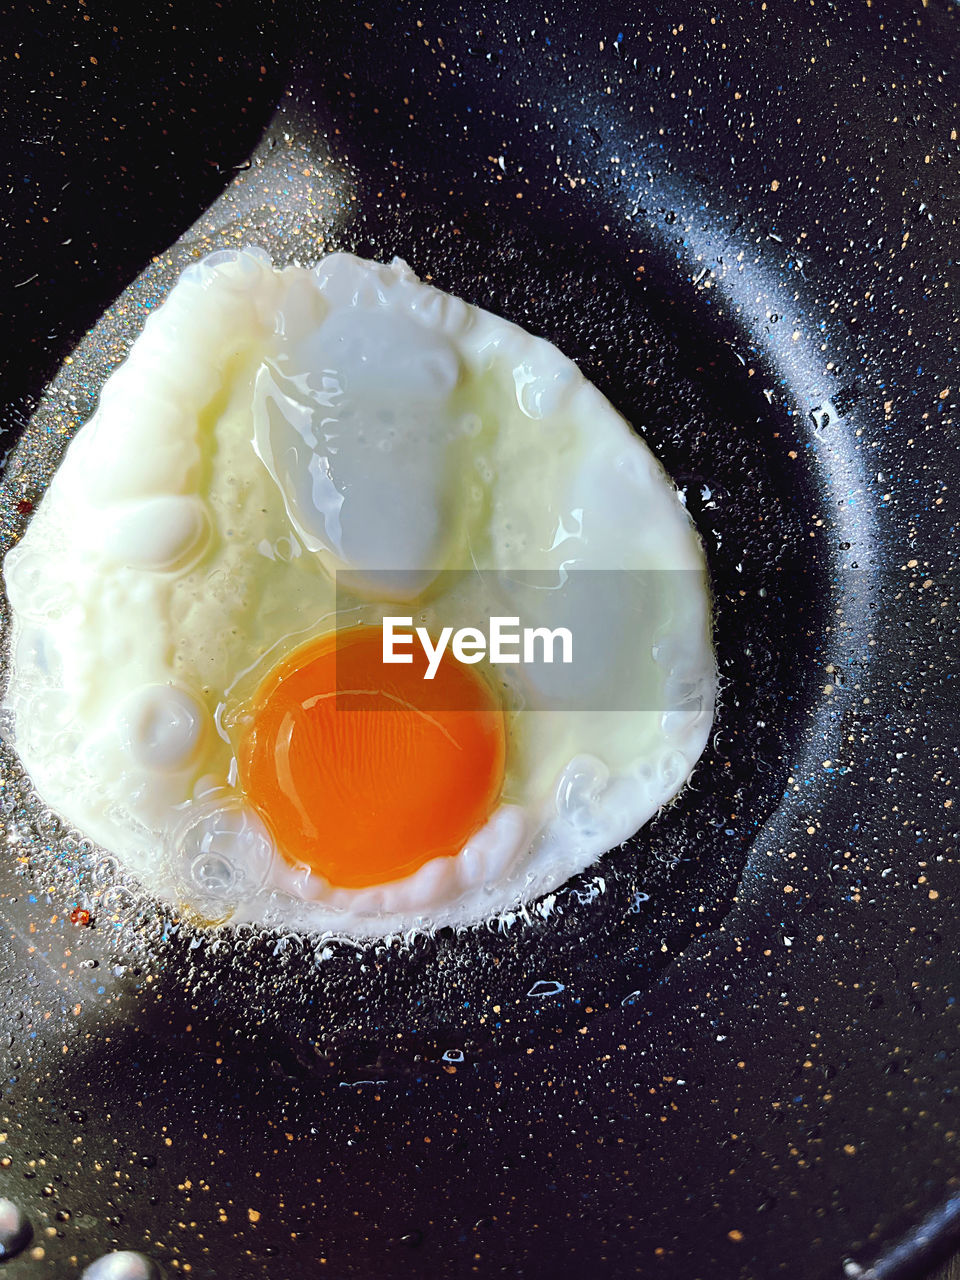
(366, 771)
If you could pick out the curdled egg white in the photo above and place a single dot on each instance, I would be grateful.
(286, 452)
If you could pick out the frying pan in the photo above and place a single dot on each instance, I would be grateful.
(730, 1049)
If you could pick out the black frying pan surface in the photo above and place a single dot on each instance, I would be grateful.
(730, 1050)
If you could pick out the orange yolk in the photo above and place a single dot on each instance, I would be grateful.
(366, 771)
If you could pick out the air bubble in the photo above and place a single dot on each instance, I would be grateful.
(221, 857)
(15, 1230)
(672, 769)
(161, 726)
(680, 719)
(30, 588)
(123, 1265)
(118, 900)
(580, 791)
(48, 825)
(236, 264)
(105, 871)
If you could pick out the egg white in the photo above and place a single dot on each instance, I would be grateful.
(192, 537)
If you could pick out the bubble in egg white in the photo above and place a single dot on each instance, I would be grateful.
(15, 1229)
(31, 588)
(123, 1264)
(161, 727)
(221, 855)
(162, 533)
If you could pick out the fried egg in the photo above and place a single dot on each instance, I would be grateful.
(288, 461)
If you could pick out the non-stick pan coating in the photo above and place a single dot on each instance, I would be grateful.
(731, 1049)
